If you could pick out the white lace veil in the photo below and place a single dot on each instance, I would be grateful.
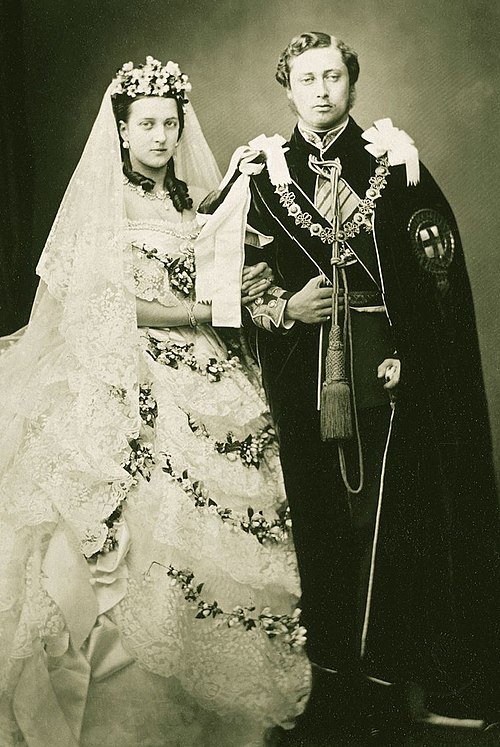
(69, 386)
(194, 162)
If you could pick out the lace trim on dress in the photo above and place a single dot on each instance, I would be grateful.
(187, 230)
(179, 272)
(150, 281)
(158, 274)
(171, 353)
(140, 464)
(265, 681)
(254, 522)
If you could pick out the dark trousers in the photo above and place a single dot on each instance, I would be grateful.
(333, 531)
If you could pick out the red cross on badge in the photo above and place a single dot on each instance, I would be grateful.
(433, 243)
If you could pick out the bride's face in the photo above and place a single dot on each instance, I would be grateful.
(152, 131)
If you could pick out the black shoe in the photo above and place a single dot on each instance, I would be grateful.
(387, 717)
(407, 712)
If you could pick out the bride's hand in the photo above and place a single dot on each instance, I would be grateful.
(256, 279)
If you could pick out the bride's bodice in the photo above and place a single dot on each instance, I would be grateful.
(162, 241)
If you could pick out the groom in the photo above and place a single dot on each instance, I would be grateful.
(370, 361)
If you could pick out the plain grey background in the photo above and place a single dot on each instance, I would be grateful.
(431, 65)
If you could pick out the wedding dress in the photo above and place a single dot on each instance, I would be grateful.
(148, 586)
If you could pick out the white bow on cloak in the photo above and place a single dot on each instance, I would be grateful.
(385, 139)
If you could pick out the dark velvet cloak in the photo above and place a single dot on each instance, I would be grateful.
(434, 607)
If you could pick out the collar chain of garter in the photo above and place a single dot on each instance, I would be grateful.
(362, 217)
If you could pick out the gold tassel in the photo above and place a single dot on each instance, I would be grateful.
(336, 414)
(336, 410)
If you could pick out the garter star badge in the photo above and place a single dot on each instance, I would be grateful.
(433, 243)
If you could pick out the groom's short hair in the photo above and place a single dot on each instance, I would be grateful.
(311, 40)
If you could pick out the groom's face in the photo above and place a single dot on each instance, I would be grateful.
(319, 88)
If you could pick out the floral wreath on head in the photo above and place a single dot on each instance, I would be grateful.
(151, 79)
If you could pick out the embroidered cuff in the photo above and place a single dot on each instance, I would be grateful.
(268, 311)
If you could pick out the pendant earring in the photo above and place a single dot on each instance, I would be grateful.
(126, 144)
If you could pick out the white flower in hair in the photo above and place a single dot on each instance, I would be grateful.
(151, 79)
(172, 68)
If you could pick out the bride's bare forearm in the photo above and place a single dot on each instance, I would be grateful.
(154, 314)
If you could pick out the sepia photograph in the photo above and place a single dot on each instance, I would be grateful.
(249, 373)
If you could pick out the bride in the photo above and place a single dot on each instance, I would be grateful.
(148, 586)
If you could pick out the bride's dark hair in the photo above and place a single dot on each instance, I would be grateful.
(175, 187)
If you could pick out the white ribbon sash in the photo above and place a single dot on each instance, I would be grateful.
(68, 582)
(220, 247)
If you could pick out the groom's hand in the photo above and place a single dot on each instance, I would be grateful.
(310, 305)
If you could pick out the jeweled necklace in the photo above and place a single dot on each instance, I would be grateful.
(162, 195)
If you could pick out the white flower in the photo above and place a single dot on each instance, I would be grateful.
(116, 88)
(94, 539)
(299, 637)
(173, 68)
(144, 87)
